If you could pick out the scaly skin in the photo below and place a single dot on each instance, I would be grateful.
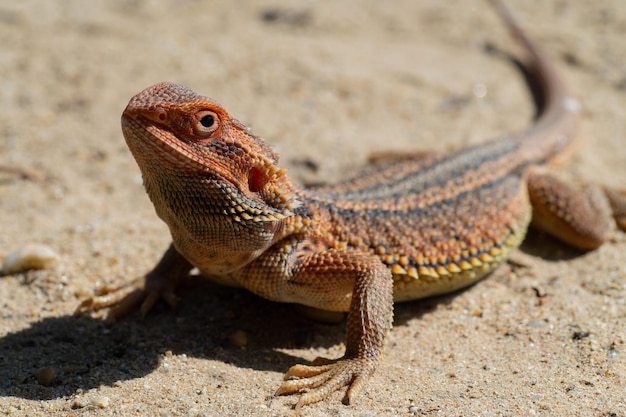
(411, 227)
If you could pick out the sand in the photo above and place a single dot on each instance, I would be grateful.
(326, 84)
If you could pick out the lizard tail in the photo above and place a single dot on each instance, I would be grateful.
(560, 110)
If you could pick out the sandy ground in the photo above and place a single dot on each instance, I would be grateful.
(326, 83)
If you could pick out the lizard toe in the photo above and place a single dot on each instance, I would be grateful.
(151, 297)
(319, 381)
(121, 300)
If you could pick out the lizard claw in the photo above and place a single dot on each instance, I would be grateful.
(151, 297)
(126, 299)
(319, 381)
(143, 292)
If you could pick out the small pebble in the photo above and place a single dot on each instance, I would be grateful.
(31, 256)
(78, 403)
(101, 401)
(45, 375)
(238, 338)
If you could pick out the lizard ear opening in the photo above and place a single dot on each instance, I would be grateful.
(256, 179)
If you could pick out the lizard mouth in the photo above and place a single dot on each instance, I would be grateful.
(151, 144)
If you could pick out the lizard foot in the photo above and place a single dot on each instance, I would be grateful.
(160, 283)
(141, 292)
(318, 381)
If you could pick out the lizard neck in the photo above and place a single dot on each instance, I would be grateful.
(212, 223)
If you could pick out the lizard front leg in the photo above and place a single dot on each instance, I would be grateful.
(339, 280)
(161, 282)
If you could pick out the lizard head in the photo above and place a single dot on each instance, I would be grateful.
(172, 130)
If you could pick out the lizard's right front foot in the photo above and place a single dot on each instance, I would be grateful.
(141, 292)
(160, 283)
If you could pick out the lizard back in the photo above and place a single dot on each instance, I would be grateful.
(438, 225)
(442, 223)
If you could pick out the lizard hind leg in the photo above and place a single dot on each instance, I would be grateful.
(582, 220)
(617, 199)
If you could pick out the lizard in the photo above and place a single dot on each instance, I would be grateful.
(410, 227)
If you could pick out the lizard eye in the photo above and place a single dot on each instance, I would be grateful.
(207, 122)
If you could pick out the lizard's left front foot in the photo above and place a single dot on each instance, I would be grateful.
(370, 314)
(319, 381)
